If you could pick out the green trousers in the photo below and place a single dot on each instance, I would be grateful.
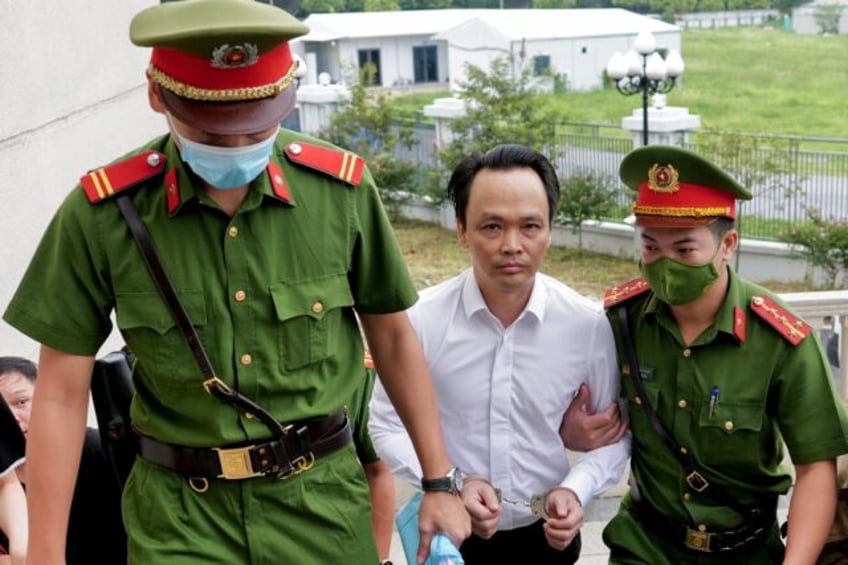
(320, 517)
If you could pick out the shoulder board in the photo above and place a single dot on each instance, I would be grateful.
(369, 362)
(787, 324)
(343, 165)
(107, 181)
(618, 294)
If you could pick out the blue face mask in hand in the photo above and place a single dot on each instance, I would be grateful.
(226, 167)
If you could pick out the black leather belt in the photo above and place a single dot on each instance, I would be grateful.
(755, 527)
(291, 453)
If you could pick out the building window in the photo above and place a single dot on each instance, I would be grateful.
(541, 64)
(425, 64)
(371, 57)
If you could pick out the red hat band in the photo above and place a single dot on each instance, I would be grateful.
(684, 199)
(234, 73)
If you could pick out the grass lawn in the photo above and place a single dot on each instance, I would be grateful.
(433, 254)
(750, 79)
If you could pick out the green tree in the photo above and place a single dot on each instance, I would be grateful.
(824, 243)
(369, 124)
(381, 5)
(500, 108)
(585, 196)
(322, 6)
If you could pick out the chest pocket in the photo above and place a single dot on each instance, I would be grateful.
(148, 327)
(310, 316)
(731, 434)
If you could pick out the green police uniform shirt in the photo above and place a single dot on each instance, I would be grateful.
(271, 290)
(358, 412)
(769, 392)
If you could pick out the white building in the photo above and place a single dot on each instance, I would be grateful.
(433, 46)
(808, 19)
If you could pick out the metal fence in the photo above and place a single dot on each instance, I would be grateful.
(788, 175)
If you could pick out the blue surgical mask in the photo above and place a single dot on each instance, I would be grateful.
(226, 167)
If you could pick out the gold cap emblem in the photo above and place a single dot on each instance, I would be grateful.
(663, 178)
(233, 56)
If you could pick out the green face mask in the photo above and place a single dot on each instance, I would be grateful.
(675, 282)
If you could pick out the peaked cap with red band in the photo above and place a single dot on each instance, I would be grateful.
(677, 188)
(222, 66)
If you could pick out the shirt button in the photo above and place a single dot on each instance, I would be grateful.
(317, 307)
(249, 415)
(246, 359)
(240, 296)
(681, 403)
(233, 232)
(728, 426)
(638, 401)
(687, 497)
(295, 148)
(687, 352)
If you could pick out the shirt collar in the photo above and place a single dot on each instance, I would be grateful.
(179, 182)
(473, 302)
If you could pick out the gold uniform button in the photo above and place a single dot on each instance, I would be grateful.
(249, 415)
(757, 300)
(687, 497)
(233, 232)
(638, 401)
(687, 352)
(681, 403)
(240, 296)
(246, 359)
(702, 527)
(318, 307)
(728, 426)
(683, 450)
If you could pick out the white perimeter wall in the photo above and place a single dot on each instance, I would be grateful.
(73, 97)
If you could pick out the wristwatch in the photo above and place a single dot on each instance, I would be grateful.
(451, 482)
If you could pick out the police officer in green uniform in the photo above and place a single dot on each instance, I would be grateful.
(274, 243)
(732, 376)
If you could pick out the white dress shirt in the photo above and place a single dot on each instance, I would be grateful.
(502, 391)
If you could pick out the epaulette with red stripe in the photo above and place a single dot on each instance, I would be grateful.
(618, 294)
(107, 181)
(790, 326)
(369, 362)
(337, 163)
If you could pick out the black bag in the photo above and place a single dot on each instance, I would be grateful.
(111, 392)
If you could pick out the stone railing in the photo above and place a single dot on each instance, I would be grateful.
(826, 310)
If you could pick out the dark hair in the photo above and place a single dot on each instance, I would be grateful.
(18, 365)
(721, 226)
(501, 157)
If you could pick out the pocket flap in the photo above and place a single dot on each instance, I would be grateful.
(311, 298)
(731, 417)
(149, 310)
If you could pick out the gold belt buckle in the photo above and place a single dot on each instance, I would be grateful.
(697, 540)
(235, 463)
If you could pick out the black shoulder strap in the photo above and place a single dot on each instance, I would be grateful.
(213, 385)
(694, 478)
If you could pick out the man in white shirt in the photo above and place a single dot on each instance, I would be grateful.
(508, 349)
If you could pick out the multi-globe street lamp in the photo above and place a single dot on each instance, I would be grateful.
(642, 69)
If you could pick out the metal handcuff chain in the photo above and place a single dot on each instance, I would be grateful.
(538, 503)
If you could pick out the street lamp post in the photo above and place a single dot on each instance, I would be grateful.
(643, 70)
